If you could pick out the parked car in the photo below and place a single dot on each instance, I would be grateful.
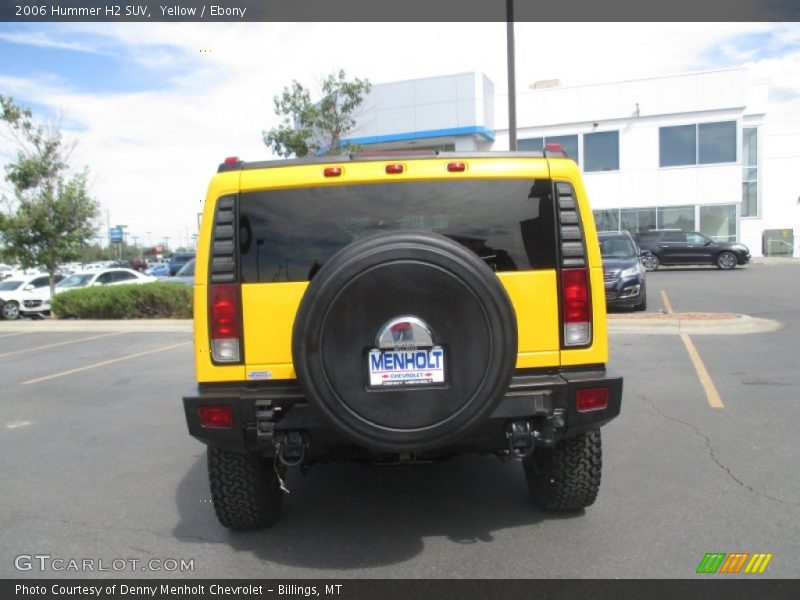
(103, 277)
(35, 306)
(158, 271)
(185, 275)
(16, 289)
(677, 247)
(137, 264)
(623, 272)
(177, 260)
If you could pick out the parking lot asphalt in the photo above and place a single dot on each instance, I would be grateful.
(97, 464)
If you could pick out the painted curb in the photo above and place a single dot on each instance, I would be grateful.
(674, 325)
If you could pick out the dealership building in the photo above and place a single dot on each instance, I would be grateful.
(694, 151)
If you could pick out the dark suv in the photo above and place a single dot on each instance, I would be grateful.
(676, 247)
(623, 273)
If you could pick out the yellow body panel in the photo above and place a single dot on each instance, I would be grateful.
(268, 309)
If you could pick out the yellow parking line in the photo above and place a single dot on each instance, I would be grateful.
(86, 339)
(705, 379)
(104, 363)
(667, 305)
(712, 395)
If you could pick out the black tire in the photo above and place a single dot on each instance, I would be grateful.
(10, 311)
(566, 477)
(244, 489)
(642, 306)
(405, 274)
(726, 260)
(650, 262)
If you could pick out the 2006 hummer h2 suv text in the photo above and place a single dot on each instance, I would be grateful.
(399, 309)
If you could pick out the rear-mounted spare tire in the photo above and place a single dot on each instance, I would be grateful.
(400, 278)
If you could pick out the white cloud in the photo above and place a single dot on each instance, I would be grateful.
(42, 40)
(152, 153)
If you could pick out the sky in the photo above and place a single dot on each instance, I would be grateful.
(155, 107)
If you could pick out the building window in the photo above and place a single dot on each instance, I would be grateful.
(606, 220)
(675, 217)
(703, 144)
(531, 144)
(718, 221)
(716, 142)
(750, 172)
(601, 151)
(568, 142)
(637, 219)
(677, 145)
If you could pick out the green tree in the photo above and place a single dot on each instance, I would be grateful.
(50, 218)
(317, 128)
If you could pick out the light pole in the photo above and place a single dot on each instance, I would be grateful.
(512, 84)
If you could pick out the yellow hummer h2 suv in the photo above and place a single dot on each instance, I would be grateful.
(399, 309)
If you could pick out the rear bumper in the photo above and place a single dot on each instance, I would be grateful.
(546, 400)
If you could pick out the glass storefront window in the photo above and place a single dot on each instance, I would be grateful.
(676, 217)
(718, 221)
(606, 220)
(637, 219)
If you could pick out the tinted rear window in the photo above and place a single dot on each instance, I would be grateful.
(287, 235)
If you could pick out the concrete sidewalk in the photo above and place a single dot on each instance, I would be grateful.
(69, 325)
(645, 323)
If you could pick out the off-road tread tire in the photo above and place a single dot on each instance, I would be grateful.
(566, 477)
(244, 490)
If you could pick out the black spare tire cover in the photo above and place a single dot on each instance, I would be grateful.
(405, 274)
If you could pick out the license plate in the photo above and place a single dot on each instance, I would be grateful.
(406, 367)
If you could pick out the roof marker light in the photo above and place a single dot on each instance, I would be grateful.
(554, 148)
(231, 160)
(394, 169)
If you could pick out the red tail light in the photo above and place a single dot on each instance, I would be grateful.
(332, 171)
(224, 300)
(591, 399)
(577, 309)
(216, 416)
(456, 167)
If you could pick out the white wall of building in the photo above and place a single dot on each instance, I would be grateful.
(408, 113)
(421, 108)
(637, 109)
